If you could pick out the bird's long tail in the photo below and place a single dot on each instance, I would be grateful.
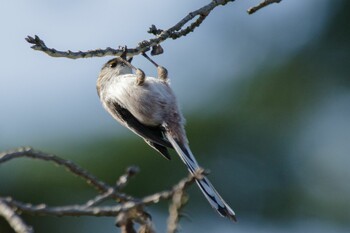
(204, 184)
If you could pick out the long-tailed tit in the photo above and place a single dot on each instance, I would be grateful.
(148, 107)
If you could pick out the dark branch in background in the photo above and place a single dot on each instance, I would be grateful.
(262, 4)
(127, 210)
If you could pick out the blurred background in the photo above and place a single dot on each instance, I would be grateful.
(266, 98)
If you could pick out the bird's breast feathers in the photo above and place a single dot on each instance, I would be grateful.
(149, 102)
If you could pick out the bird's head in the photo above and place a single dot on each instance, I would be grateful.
(116, 67)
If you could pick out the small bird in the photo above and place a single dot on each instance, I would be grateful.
(148, 107)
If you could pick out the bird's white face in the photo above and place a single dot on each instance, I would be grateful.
(112, 69)
(116, 67)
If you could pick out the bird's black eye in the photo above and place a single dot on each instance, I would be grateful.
(113, 64)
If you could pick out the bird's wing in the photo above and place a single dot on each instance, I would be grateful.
(153, 135)
(161, 149)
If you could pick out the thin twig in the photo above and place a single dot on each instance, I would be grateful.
(183, 184)
(124, 179)
(100, 198)
(13, 219)
(173, 32)
(179, 199)
(69, 165)
(70, 210)
(83, 210)
(121, 183)
(262, 4)
(130, 210)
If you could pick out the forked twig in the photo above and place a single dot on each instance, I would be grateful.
(28, 152)
(173, 32)
(127, 210)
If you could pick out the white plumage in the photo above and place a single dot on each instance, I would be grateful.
(151, 111)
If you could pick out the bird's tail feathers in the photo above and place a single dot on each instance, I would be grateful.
(204, 184)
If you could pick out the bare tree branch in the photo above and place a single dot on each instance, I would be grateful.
(262, 4)
(69, 165)
(69, 210)
(122, 181)
(179, 199)
(129, 210)
(161, 35)
(173, 32)
(13, 219)
(83, 210)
